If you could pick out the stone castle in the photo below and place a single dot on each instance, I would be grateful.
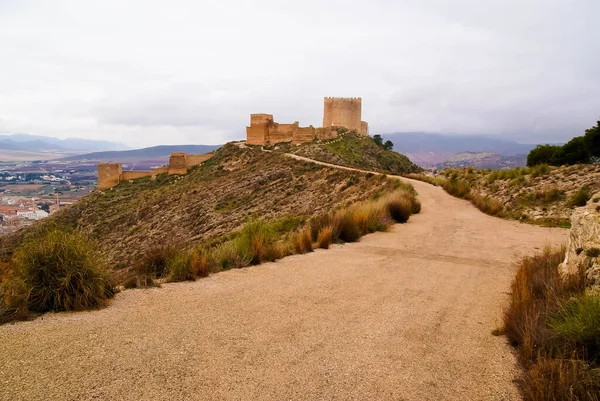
(337, 112)
(110, 174)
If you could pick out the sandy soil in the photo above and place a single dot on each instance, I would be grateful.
(403, 315)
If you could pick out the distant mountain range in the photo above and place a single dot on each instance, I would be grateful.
(38, 143)
(483, 160)
(155, 152)
(428, 150)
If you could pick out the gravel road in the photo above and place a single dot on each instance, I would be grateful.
(402, 315)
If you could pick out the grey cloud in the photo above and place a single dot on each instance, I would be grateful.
(142, 71)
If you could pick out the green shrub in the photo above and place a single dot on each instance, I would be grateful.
(255, 238)
(578, 320)
(57, 271)
(181, 268)
(457, 188)
(540, 170)
(580, 198)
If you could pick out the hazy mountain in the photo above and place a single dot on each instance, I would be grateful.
(483, 160)
(428, 150)
(154, 152)
(27, 142)
(412, 142)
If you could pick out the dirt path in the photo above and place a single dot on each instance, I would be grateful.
(403, 315)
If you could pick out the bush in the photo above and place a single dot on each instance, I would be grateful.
(555, 326)
(578, 321)
(57, 271)
(457, 188)
(324, 237)
(256, 237)
(399, 207)
(580, 198)
(153, 263)
(181, 268)
(227, 256)
(200, 263)
(345, 227)
(487, 205)
(540, 170)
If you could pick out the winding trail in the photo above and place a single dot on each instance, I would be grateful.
(403, 315)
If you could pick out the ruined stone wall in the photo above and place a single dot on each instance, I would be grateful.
(109, 174)
(343, 112)
(130, 175)
(194, 160)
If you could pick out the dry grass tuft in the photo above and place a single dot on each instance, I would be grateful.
(554, 322)
(324, 237)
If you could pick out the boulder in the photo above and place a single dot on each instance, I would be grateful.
(584, 242)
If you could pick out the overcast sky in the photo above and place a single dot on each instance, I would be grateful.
(152, 72)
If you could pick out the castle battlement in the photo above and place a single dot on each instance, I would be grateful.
(337, 112)
(110, 174)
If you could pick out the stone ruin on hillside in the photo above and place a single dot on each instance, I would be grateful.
(337, 112)
(110, 174)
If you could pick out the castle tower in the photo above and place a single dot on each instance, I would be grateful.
(109, 174)
(258, 131)
(344, 112)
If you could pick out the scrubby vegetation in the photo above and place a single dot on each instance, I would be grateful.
(261, 241)
(554, 323)
(54, 271)
(358, 151)
(581, 149)
(136, 219)
(541, 195)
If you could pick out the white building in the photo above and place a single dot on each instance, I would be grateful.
(32, 214)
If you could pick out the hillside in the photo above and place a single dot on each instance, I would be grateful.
(540, 195)
(154, 152)
(352, 150)
(237, 184)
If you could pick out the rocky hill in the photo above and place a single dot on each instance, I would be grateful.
(237, 184)
(352, 150)
(541, 195)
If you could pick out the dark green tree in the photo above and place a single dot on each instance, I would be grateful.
(575, 152)
(548, 154)
(388, 145)
(378, 139)
(591, 140)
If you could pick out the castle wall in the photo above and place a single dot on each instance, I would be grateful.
(130, 175)
(343, 112)
(109, 174)
(194, 160)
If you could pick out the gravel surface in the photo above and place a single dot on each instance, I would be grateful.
(403, 315)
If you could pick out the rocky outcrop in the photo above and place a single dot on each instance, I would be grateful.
(584, 242)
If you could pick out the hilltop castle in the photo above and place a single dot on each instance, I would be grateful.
(337, 112)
